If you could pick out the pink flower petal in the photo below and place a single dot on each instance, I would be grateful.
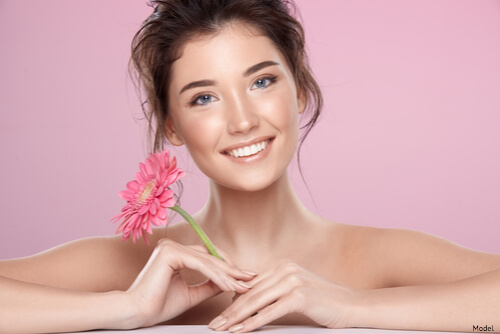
(155, 220)
(126, 195)
(132, 220)
(170, 203)
(152, 208)
(150, 168)
(149, 229)
(145, 209)
(145, 239)
(165, 195)
(142, 168)
(140, 179)
(117, 218)
(162, 213)
(133, 186)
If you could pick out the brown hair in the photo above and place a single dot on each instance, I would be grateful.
(174, 22)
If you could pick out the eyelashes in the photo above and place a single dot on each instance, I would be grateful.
(204, 99)
(270, 79)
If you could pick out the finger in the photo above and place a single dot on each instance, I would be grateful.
(226, 257)
(248, 304)
(248, 274)
(268, 314)
(235, 297)
(227, 266)
(179, 256)
(203, 291)
(286, 273)
(275, 274)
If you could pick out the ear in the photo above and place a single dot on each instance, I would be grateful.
(171, 133)
(301, 100)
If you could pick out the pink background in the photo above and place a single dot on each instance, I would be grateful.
(409, 137)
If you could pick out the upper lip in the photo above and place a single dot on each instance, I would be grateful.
(246, 143)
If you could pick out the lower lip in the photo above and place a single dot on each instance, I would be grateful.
(252, 158)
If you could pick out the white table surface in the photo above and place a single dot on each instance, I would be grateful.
(266, 329)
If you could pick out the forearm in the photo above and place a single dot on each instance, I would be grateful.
(33, 308)
(455, 306)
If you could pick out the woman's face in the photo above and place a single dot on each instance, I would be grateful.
(235, 105)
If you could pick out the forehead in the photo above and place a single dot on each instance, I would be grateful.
(231, 50)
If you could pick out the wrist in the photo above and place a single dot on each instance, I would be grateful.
(125, 314)
(361, 309)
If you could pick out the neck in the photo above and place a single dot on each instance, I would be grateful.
(255, 222)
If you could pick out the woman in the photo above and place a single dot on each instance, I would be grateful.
(229, 80)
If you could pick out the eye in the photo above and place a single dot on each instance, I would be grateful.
(264, 82)
(202, 100)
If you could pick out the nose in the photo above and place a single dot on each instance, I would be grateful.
(242, 116)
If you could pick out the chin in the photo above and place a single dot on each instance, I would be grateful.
(249, 182)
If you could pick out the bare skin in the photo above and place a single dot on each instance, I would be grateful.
(356, 257)
(307, 270)
(353, 258)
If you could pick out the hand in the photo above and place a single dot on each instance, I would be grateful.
(159, 293)
(282, 290)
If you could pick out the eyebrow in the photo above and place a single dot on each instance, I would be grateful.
(258, 67)
(253, 69)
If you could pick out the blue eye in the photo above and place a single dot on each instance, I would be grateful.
(202, 100)
(264, 82)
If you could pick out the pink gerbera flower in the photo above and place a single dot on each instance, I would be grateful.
(148, 196)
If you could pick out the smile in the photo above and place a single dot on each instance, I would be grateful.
(249, 150)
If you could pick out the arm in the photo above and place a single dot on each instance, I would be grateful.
(414, 258)
(64, 288)
(429, 284)
(434, 284)
(157, 294)
(29, 308)
(453, 306)
(94, 264)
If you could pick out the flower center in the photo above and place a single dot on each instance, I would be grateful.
(148, 189)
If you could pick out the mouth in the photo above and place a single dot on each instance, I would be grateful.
(248, 149)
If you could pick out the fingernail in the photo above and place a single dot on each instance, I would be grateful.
(249, 272)
(236, 328)
(217, 322)
(243, 284)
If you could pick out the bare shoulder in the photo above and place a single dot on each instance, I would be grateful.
(411, 258)
(351, 255)
(91, 264)
(400, 257)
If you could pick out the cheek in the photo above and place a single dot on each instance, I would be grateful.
(282, 113)
(201, 135)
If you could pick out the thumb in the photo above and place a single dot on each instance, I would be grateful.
(203, 291)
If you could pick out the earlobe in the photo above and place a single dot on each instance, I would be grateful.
(171, 133)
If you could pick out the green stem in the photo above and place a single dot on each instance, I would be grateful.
(198, 230)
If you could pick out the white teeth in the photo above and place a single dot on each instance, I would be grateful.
(248, 150)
